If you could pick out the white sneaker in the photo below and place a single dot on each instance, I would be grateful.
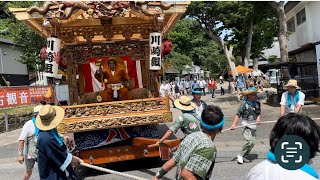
(240, 159)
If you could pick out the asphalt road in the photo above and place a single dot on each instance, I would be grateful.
(228, 145)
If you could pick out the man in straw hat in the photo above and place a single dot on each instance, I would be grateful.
(187, 122)
(27, 151)
(54, 161)
(196, 154)
(200, 104)
(291, 100)
(249, 111)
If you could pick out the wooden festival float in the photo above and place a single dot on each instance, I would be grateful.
(113, 131)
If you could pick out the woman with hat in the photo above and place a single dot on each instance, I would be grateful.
(27, 144)
(249, 111)
(293, 99)
(187, 122)
(54, 161)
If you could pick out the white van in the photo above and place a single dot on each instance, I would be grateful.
(272, 74)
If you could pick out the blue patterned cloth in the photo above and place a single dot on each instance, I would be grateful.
(94, 139)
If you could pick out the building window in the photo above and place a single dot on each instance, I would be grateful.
(301, 16)
(291, 25)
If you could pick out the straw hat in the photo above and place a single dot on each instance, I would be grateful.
(292, 83)
(249, 91)
(184, 103)
(49, 117)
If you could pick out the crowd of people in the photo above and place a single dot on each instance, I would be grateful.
(185, 86)
(201, 123)
(195, 156)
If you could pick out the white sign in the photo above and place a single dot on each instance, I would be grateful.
(318, 62)
(155, 51)
(52, 57)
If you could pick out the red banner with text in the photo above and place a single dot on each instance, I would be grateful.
(20, 96)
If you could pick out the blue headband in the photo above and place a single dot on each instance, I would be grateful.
(212, 127)
(196, 92)
(252, 89)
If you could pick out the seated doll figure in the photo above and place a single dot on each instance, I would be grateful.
(113, 78)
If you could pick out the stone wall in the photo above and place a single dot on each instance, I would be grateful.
(15, 121)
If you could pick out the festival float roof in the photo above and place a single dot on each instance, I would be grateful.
(109, 21)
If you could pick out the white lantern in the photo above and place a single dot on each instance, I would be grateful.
(155, 51)
(52, 57)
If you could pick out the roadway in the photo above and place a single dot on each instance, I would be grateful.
(228, 145)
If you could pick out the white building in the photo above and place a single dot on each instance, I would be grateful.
(303, 22)
(274, 51)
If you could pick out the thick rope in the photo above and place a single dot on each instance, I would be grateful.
(139, 178)
(111, 171)
(264, 122)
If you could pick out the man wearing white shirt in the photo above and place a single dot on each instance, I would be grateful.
(165, 89)
(202, 84)
(291, 100)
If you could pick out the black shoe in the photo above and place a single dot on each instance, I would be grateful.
(245, 160)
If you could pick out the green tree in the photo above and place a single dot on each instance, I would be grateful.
(28, 42)
(178, 61)
(252, 26)
(207, 14)
(192, 45)
(249, 27)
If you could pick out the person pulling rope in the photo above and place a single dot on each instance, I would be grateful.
(139, 178)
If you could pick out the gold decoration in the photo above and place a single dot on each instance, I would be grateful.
(167, 117)
(99, 98)
(90, 11)
(106, 123)
(109, 109)
(61, 128)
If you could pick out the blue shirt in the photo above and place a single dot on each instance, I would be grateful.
(240, 82)
(53, 158)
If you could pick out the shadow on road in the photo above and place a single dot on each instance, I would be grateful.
(141, 165)
(249, 157)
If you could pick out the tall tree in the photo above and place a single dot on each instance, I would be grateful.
(207, 14)
(28, 42)
(246, 21)
(189, 42)
(278, 8)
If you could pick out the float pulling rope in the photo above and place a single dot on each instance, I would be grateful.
(111, 171)
(139, 178)
(264, 122)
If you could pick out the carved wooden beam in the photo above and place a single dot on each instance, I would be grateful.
(68, 34)
(86, 117)
(72, 81)
(115, 122)
(82, 52)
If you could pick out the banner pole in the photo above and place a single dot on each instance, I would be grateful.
(6, 119)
